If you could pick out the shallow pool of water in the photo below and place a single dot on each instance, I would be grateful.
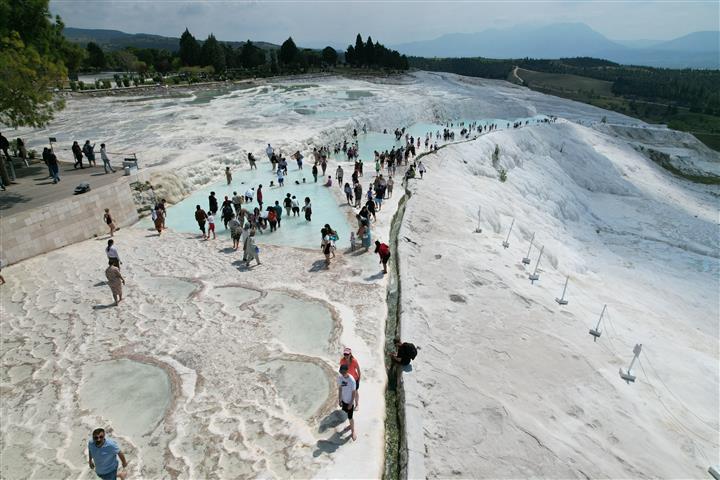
(129, 394)
(303, 386)
(294, 231)
(302, 326)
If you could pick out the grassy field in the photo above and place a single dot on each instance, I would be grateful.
(705, 128)
(565, 82)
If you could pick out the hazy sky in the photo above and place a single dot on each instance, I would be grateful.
(391, 22)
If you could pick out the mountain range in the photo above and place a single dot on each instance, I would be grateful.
(695, 50)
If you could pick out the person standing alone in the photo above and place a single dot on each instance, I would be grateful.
(384, 252)
(103, 454)
(105, 159)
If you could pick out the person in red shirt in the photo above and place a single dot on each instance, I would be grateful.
(354, 370)
(259, 196)
(384, 251)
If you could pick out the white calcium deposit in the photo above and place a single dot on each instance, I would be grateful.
(208, 369)
(508, 383)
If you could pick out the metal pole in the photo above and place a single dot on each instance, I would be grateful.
(636, 351)
(601, 316)
(510, 231)
(530, 247)
(506, 243)
(534, 276)
(562, 297)
(538, 260)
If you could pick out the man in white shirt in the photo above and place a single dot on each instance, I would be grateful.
(269, 151)
(249, 194)
(347, 396)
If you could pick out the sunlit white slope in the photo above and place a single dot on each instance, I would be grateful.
(508, 383)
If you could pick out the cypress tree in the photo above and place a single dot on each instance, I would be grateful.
(359, 56)
(288, 52)
(189, 49)
(212, 54)
(370, 57)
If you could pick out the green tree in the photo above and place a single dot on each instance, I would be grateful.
(251, 56)
(26, 82)
(329, 56)
(359, 56)
(212, 54)
(125, 60)
(189, 49)
(95, 56)
(350, 55)
(310, 58)
(288, 52)
(35, 57)
(369, 50)
(232, 56)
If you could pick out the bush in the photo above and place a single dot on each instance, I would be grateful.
(81, 85)
(73, 85)
(106, 84)
(503, 175)
(32, 154)
(126, 82)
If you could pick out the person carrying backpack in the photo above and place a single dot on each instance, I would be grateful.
(406, 352)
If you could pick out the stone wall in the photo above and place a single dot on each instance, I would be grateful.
(65, 222)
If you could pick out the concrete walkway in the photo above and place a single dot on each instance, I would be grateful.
(34, 188)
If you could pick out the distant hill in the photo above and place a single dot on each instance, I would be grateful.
(117, 40)
(696, 50)
(693, 42)
(523, 41)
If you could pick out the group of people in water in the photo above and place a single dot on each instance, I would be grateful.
(247, 214)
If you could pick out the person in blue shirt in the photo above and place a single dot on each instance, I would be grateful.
(103, 454)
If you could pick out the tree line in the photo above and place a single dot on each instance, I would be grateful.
(369, 54)
(213, 57)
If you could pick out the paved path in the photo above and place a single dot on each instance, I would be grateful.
(520, 80)
(34, 188)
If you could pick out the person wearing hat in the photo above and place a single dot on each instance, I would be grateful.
(347, 396)
(354, 370)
